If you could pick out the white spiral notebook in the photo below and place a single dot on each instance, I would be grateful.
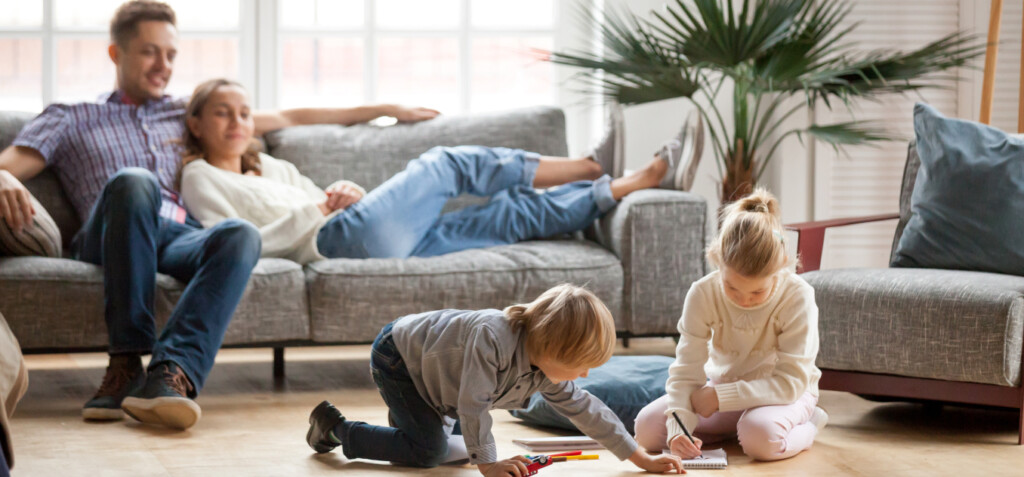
(710, 459)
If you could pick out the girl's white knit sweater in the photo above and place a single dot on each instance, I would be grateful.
(757, 356)
(282, 203)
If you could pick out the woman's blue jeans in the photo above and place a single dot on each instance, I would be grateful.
(402, 218)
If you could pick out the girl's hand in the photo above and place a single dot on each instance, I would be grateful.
(341, 196)
(659, 464)
(514, 467)
(704, 401)
(682, 447)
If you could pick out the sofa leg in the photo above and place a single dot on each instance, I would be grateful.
(1020, 428)
(279, 363)
(625, 341)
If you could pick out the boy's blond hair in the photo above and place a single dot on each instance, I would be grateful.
(567, 324)
(750, 242)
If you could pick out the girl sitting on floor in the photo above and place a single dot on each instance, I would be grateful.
(762, 324)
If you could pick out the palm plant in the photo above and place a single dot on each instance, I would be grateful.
(769, 51)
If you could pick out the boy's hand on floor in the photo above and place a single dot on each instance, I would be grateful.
(660, 463)
(514, 467)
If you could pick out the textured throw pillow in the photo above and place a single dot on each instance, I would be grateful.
(40, 238)
(967, 208)
(625, 384)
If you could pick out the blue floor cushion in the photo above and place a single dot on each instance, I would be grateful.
(625, 384)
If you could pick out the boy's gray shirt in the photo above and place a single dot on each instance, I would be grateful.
(465, 363)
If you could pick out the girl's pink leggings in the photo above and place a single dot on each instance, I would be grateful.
(765, 433)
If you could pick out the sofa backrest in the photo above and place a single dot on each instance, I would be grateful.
(45, 187)
(906, 190)
(369, 155)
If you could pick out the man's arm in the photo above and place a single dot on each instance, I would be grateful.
(17, 164)
(267, 121)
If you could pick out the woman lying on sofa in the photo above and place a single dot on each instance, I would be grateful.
(224, 176)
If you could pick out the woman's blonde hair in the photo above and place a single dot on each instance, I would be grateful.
(750, 242)
(192, 149)
(567, 324)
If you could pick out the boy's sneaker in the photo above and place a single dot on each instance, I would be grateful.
(610, 152)
(682, 154)
(124, 375)
(819, 418)
(165, 399)
(321, 424)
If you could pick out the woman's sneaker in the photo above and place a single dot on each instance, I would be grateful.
(682, 154)
(610, 152)
(165, 400)
(124, 375)
(321, 427)
(819, 418)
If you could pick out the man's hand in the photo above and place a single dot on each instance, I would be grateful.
(660, 464)
(15, 202)
(682, 447)
(412, 115)
(515, 467)
(704, 401)
(341, 195)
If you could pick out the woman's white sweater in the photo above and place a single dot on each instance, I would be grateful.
(757, 356)
(281, 202)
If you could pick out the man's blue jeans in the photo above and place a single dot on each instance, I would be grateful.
(418, 438)
(402, 217)
(126, 236)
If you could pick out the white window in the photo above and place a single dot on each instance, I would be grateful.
(453, 55)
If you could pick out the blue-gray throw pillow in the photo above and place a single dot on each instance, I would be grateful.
(625, 384)
(967, 208)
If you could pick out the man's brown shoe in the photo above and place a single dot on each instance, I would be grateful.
(124, 375)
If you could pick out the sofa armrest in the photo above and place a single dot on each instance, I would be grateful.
(811, 238)
(659, 236)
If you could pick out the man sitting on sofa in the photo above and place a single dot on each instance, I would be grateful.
(116, 159)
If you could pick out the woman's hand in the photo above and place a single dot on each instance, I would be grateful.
(406, 114)
(515, 467)
(340, 196)
(682, 447)
(704, 401)
(659, 464)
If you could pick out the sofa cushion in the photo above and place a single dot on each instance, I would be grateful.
(40, 238)
(350, 300)
(45, 187)
(968, 202)
(53, 302)
(274, 307)
(941, 324)
(58, 303)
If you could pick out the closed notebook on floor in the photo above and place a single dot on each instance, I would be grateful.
(543, 444)
(710, 459)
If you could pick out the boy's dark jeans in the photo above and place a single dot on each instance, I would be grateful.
(418, 437)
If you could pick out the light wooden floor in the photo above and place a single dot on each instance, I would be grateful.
(250, 427)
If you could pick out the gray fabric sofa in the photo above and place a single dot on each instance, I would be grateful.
(922, 334)
(640, 258)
